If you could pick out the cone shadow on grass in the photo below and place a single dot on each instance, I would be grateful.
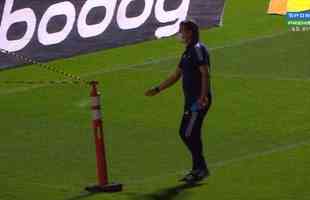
(176, 192)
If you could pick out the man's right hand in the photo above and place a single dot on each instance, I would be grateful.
(152, 92)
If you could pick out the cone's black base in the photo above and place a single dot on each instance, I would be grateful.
(114, 187)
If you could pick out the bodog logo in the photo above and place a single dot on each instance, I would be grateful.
(115, 10)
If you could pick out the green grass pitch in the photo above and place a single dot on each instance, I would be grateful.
(257, 136)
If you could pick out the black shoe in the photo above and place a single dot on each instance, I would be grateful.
(188, 176)
(195, 176)
(201, 174)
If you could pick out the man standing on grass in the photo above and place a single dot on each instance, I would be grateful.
(194, 68)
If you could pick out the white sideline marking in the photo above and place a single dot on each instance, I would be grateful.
(130, 67)
(85, 102)
(171, 57)
(260, 77)
(257, 77)
(149, 62)
(214, 166)
(251, 40)
(224, 163)
(278, 149)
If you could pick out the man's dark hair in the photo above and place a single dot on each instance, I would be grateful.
(193, 27)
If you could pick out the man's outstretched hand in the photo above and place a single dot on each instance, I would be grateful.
(152, 92)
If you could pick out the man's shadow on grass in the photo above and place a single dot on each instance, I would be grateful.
(169, 193)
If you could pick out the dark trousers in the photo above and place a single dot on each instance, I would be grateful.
(190, 132)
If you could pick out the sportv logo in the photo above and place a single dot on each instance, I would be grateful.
(113, 9)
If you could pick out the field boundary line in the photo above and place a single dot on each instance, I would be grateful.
(175, 56)
(149, 62)
(259, 77)
(224, 163)
(214, 166)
